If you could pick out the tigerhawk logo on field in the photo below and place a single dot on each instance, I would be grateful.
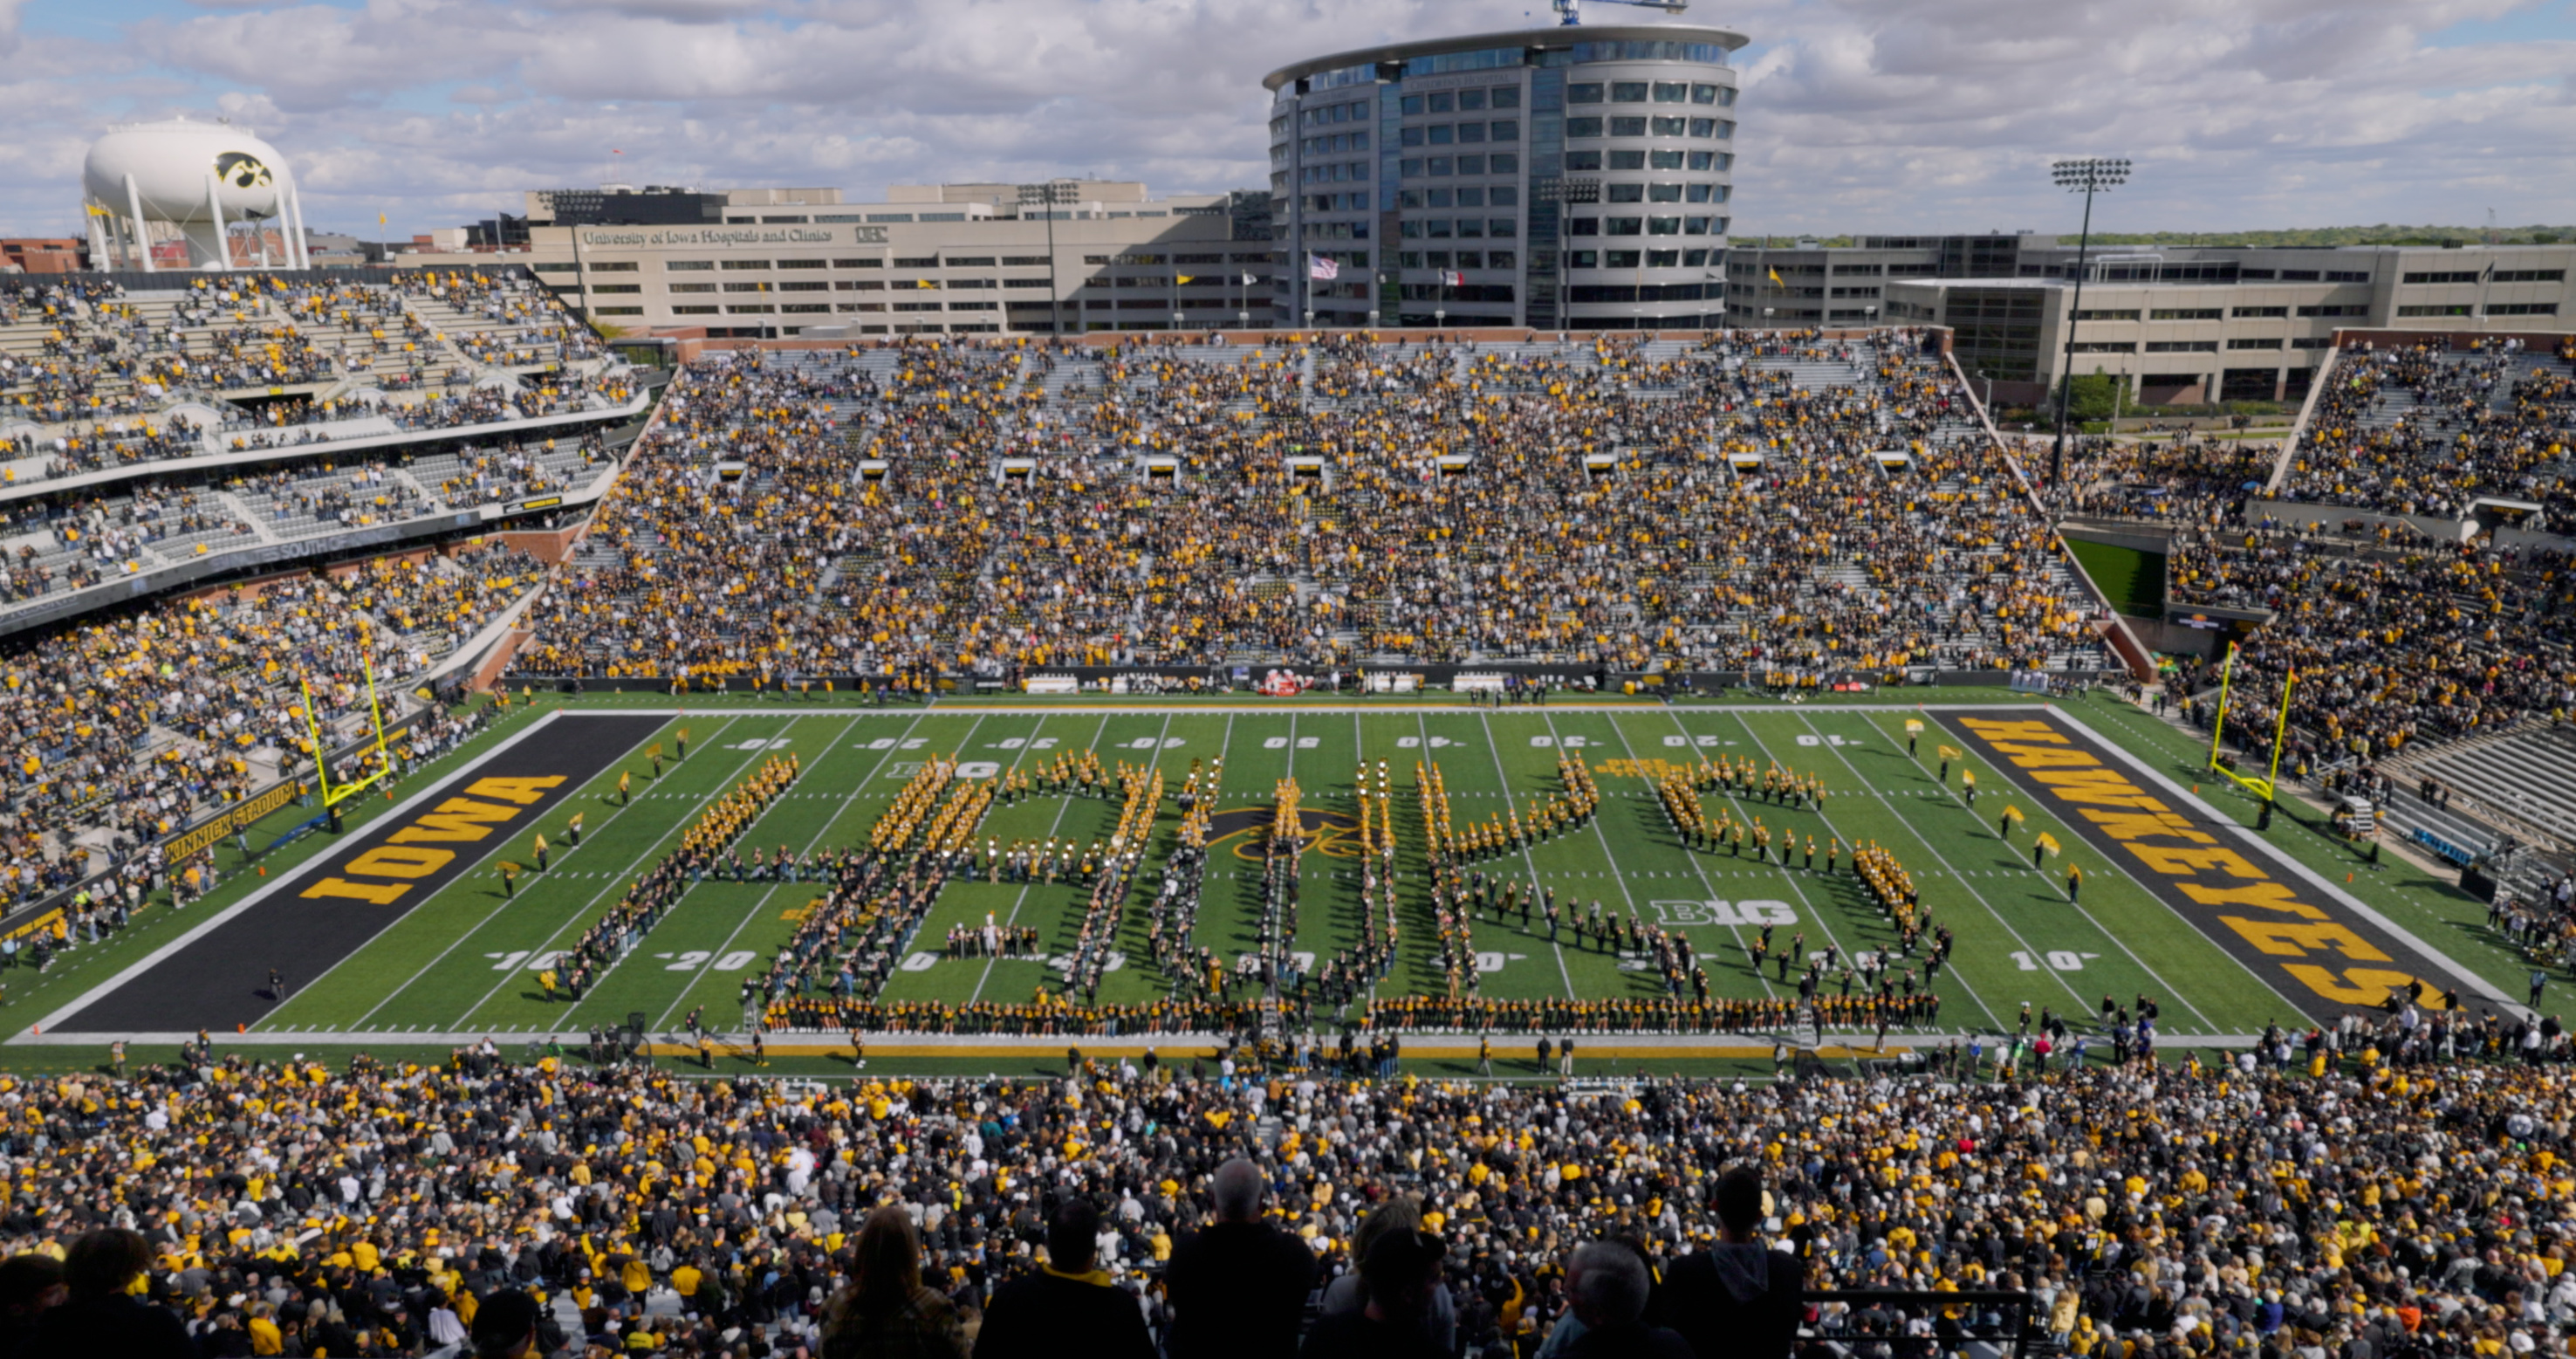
(1334, 833)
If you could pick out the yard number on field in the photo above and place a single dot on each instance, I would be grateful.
(2058, 960)
(691, 960)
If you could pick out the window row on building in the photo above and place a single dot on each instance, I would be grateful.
(1645, 226)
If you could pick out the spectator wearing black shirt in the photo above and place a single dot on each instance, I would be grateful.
(1067, 1310)
(1736, 1299)
(1238, 1288)
(100, 1317)
(1400, 1271)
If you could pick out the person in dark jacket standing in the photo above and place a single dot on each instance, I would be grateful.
(1735, 1299)
(1067, 1310)
(1238, 1287)
(888, 1313)
(1609, 1283)
(100, 1317)
(1401, 1271)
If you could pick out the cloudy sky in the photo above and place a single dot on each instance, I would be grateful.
(1858, 115)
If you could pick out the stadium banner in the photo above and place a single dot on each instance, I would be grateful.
(1455, 677)
(230, 819)
(338, 901)
(2309, 945)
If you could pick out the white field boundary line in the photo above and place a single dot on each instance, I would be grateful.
(2310, 876)
(1281, 707)
(2109, 936)
(1416, 1041)
(293, 876)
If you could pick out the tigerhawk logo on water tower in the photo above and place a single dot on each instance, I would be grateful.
(241, 170)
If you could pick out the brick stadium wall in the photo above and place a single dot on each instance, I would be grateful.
(550, 546)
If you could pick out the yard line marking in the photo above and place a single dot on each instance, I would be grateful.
(1052, 827)
(1823, 921)
(1512, 806)
(2116, 940)
(1737, 932)
(1597, 833)
(762, 908)
(506, 903)
(1831, 829)
(2082, 1006)
(723, 786)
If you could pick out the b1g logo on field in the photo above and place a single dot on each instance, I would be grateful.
(1755, 913)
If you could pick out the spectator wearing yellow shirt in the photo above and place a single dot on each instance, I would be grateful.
(684, 1281)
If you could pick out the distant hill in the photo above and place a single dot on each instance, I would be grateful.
(2383, 234)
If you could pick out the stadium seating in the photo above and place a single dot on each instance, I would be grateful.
(122, 448)
(117, 732)
(1732, 504)
(414, 1195)
(2428, 429)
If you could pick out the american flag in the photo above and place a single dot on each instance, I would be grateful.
(1322, 267)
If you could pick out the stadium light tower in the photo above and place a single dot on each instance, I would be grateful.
(2087, 176)
(1052, 195)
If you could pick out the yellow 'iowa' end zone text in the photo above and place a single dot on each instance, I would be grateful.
(409, 853)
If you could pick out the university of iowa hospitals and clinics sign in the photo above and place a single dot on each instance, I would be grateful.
(734, 235)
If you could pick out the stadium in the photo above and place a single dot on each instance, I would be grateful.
(516, 832)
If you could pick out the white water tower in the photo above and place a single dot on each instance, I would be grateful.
(201, 178)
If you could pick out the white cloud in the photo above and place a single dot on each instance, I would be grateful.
(1857, 115)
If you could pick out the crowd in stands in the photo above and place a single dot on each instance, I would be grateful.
(52, 544)
(2425, 429)
(2183, 478)
(2392, 644)
(138, 723)
(2346, 1191)
(1704, 507)
(105, 366)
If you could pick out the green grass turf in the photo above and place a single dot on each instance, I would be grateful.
(466, 960)
(2132, 580)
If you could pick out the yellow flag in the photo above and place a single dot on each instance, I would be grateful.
(1186, 278)
(924, 283)
(1776, 280)
(1949, 753)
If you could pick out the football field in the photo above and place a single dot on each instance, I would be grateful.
(408, 930)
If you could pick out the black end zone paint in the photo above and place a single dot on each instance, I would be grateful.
(220, 980)
(2308, 945)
